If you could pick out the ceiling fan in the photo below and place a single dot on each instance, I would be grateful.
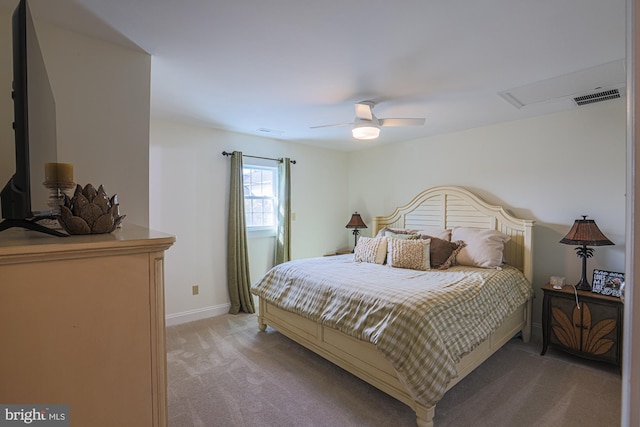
(367, 126)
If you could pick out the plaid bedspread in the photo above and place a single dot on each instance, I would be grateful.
(422, 321)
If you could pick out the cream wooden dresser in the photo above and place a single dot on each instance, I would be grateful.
(82, 323)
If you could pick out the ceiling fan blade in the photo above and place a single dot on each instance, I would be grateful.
(332, 125)
(401, 122)
(363, 110)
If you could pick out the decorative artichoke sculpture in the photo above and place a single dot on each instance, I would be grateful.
(90, 211)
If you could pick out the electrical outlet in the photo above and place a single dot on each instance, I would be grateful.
(195, 289)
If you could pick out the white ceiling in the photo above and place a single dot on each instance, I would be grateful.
(287, 65)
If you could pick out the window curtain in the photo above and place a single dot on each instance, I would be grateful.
(283, 234)
(238, 279)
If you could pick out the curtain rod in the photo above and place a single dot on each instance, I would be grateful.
(224, 153)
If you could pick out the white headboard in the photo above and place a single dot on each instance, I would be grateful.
(449, 207)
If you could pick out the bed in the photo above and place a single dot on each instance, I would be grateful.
(324, 303)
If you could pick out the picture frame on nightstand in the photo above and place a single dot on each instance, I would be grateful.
(607, 282)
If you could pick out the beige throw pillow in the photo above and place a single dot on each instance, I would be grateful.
(371, 249)
(412, 254)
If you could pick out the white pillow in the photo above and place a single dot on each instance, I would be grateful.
(370, 249)
(444, 234)
(484, 248)
(440, 233)
(386, 230)
(401, 236)
(412, 254)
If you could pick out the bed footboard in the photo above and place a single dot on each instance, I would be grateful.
(363, 360)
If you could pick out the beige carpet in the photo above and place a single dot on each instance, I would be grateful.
(224, 372)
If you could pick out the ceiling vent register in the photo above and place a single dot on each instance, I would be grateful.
(605, 82)
(597, 97)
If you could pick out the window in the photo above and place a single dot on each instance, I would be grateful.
(260, 197)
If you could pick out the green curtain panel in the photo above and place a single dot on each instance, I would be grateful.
(283, 236)
(238, 278)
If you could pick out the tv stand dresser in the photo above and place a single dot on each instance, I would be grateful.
(82, 324)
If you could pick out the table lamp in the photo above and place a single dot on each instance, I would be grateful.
(585, 232)
(356, 223)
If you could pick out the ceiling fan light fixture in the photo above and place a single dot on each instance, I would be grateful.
(365, 129)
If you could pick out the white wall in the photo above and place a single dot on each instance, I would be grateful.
(102, 94)
(102, 112)
(189, 198)
(551, 169)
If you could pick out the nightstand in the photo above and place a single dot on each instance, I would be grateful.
(340, 252)
(589, 328)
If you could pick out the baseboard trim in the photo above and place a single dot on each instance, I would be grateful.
(196, 314)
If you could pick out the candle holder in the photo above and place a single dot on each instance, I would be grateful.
(58, 178)
(57, 190)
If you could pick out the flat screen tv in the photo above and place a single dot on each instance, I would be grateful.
(24, 198)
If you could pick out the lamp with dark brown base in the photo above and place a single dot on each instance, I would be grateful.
(356, 223)
(585, 232)
(584, 252)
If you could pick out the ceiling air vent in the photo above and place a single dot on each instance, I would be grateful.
(597, 97)
(600, 83)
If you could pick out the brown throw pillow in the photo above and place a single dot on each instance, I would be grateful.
(442, 252)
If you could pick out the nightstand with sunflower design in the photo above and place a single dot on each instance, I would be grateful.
(582, 323)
